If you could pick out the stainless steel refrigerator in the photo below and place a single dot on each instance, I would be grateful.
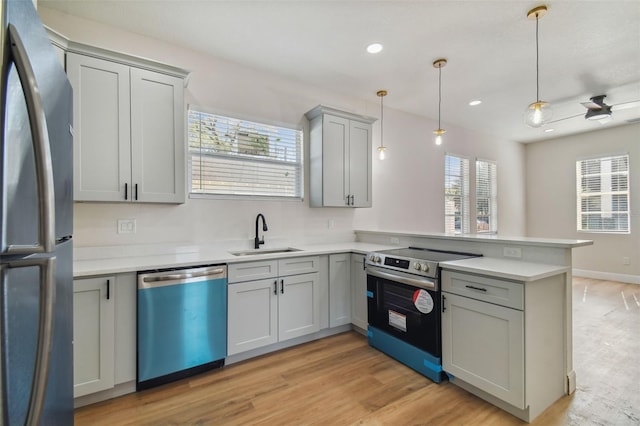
(36, 298)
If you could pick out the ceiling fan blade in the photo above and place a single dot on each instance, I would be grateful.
(591, 105)
(565, 118)
(626, 105)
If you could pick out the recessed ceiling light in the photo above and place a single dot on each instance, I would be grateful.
(549, 130)
(475, 102)
(374, 48)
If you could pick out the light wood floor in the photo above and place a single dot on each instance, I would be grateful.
(340, 380)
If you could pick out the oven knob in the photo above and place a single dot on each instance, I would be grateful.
(425, 267)
(378, 259)
(372, 258)
(416, 266)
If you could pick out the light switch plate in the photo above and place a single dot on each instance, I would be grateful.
(126, 226)
(512, 252)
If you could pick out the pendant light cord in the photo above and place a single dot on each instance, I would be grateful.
(381, 122)
(537, 64)
(439, 94)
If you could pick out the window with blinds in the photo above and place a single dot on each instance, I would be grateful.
(229, 156)
(603, 194)
(456, 194)
(486, 197)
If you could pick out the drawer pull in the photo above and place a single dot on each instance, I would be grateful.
(476, 288)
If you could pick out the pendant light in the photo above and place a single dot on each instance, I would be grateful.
(439, 63)
(381, 148)
(537, 113)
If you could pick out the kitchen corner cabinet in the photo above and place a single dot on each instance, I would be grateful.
(340, 158)
(359, 316)
(129, 138)
(339, 289)
(272, 301)
(104, 324)
(505, 339)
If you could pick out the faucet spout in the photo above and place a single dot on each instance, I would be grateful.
(257, 241)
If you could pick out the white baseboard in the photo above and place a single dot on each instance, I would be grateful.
(609, 276)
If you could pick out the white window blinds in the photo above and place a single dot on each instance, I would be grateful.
(456, 195)
(603, 194)
(486, 197)
(229, 156)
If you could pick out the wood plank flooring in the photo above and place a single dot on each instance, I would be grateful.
(340, 380)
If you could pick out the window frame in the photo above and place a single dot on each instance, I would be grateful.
(492, 199)
(248, 157)
(464, 195)
(581, 195)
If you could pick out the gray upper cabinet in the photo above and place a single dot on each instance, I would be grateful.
(340, 158)
(129, 138)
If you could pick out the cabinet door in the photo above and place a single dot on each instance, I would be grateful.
(483, 344)
(298, 306)
(335, 157)
(358, 292)
(93, 335)
(252, 315)
(359, 164)
(157, 137)
(101, 134)
(339, 289)
(126, 321)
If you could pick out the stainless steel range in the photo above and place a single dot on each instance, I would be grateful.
(403, 296)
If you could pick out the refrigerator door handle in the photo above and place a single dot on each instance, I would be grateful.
(45, 331)
(41, 150)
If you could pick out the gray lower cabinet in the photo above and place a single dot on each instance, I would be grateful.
(272, 301)
(339, 289)
(504, 340)
(359, 315)
(104, 340)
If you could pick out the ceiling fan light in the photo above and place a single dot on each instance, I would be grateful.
(598, 114)
(537, 114)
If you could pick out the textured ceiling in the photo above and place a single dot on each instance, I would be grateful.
(587, 48)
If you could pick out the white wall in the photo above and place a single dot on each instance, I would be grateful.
(551, 197)
(408, 186)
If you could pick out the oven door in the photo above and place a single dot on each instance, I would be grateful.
(405, 306)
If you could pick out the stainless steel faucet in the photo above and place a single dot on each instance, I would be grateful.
(257, 240)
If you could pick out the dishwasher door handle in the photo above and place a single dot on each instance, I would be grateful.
(160, 279)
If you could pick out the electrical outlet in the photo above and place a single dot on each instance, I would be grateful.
(512, 252)
(625, 261)
(395, 240)
(126, 226)
(331, 224)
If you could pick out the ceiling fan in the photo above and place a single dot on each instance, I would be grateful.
(598, 110)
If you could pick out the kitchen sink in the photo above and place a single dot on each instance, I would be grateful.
(258, 252)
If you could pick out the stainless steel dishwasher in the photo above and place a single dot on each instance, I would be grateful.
(182, 323)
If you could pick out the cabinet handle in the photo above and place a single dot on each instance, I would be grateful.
(136, 192)
(108, 289)
(282, 286)
(476, 288)
(353, 200)
(348, 199)
(275, 287)
(444, 308)
(126, 191)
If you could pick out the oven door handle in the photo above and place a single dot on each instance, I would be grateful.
(422, 283)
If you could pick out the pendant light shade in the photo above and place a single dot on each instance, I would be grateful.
(439, 63)
(381, 148)
(538, 113)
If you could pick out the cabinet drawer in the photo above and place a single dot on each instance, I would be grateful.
(298, 265)
(238, 272)
(492, 290)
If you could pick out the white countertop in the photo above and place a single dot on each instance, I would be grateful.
(110, 264)
(505, 268)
